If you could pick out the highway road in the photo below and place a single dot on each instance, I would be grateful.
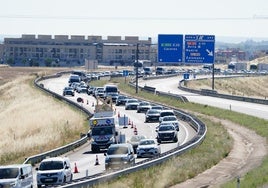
(171, 85)
(84, 158)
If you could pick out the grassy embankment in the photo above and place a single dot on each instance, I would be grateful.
(243, 86)
(216, 146)
(32, 122)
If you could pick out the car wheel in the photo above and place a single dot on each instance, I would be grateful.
(175, 139)
(159, 141)
(71, 179)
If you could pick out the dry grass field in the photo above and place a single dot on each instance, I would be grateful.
(244, 86)
(30, 121)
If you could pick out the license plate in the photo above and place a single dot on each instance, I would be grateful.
(49, 180)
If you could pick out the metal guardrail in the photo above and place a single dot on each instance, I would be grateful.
(64, 149)
(225, 96)
(199, 126)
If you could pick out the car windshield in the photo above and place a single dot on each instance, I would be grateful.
(166, 114)
(144, 104)
(157, 107)
(8, 173)
(169, 118)
(51, 165)
(117, 150)
(102, 131)
(152, 112)
(146, 142)
(166, 128)
(132, 101)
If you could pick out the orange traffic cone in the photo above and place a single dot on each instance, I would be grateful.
(135, 130)
(129, 123)
(97, 160)
(75, 168)
(87, 101)
(132, 126)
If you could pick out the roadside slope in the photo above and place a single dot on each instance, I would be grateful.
(248, 151)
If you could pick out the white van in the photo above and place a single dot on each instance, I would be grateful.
(54, 171)
(16, 176)
(111, 91)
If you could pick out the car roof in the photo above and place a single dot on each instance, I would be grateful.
(144, 102)
(167, 110)
(14, 166)
(167, 117)
(120, 145)
(166, 124)
(55, 159)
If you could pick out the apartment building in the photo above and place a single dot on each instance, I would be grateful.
(64, 50)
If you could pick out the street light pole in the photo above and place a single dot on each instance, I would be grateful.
(136, 67)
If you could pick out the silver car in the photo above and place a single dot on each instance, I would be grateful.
(119, 156)
(148, 148)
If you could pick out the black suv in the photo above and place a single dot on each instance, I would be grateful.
(167, 132)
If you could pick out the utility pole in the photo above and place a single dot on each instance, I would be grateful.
(213, 78)
(136, 66)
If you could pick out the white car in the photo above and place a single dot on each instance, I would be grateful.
(148, 148)
(143, 107)
(171, 119)
(166, 113)
(82, 89)
(54, 171)
(131, 104)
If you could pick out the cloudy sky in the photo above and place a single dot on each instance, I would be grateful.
(144, 18)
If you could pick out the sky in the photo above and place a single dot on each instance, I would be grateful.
(143, 18)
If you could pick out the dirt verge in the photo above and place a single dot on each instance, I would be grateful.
(248, 151)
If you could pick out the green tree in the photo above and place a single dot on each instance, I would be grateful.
(10, 62)
(48, 62)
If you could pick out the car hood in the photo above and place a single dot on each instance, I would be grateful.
(133, 103)
(172, 131)
(116, 156)
(7, 181)
(49, 171)
(147, 146)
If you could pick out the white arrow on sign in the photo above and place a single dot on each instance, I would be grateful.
(210, 53)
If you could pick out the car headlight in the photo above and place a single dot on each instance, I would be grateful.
(107, 160)
(125, 159)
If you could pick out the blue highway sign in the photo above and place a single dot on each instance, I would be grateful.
(199, 48)
(125, 73)
(170, 48)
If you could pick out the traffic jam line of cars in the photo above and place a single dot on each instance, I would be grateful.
(58, 170)
(105, 135)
